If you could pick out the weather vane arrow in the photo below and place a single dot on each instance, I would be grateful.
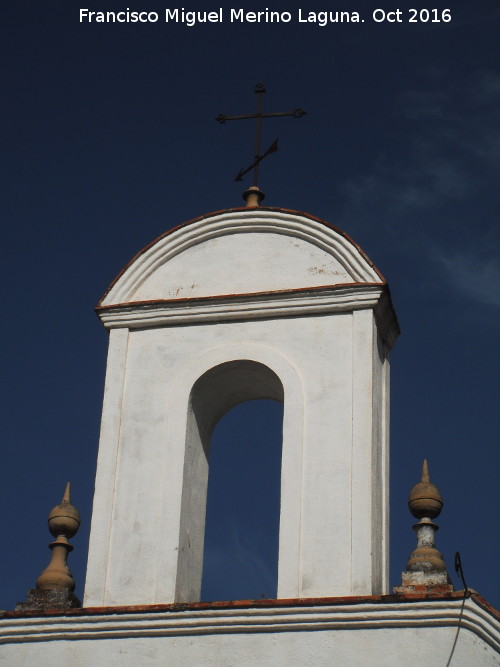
(273, 148)
(260, 89)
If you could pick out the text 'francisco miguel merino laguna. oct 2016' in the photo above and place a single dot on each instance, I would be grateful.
(239, 16)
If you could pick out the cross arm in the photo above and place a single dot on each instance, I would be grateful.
(296, 113)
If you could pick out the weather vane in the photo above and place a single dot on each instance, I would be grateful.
(260, 89)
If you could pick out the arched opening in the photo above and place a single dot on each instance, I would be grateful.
(243, 504)
(214, 394)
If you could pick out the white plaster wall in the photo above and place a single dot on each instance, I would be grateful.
(242, 263)
(413, 634)
(326, 365)
(380, 465)
(375, 648)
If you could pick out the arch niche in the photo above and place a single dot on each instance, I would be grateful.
(214, 394)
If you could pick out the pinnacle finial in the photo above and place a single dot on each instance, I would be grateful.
(424, 498)
(64, 519)
(55, 585)
(66, 496)
(425, 472)
(426, 569)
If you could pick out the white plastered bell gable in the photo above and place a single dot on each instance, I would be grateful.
(240, 252)
(243, 304)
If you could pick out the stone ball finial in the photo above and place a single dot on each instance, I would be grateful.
(425, 570)
(424, 499)
(55, 585)
(64, 519)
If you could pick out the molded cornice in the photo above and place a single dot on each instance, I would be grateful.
(289, 303)
(248, 617)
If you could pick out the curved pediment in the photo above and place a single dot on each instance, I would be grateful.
(242, 251)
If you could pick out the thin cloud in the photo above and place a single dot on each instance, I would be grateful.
(464, 119)
(446, 151)
(472, 276)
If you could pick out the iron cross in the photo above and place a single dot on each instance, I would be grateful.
(260, 89)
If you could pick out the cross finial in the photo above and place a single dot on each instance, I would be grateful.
(259, 90)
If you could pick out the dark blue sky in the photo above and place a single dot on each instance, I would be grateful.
(109, 139)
